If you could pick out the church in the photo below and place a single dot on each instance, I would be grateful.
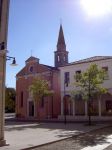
(55, 106)
(49, 107)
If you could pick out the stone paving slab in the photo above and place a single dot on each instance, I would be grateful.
(22, 135)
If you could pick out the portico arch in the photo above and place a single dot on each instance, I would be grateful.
(67, 101)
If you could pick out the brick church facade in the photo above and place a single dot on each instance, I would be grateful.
(49, 107)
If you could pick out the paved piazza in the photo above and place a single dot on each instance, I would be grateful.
(100, 139)
(20, 135)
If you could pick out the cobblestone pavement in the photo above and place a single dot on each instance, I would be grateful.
(94, 140)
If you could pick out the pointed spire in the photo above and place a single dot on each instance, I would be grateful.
(61, 55)
(61, 40)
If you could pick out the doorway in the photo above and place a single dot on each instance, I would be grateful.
(31, 109)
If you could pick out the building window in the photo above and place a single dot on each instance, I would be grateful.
(106, 73)
(58, 58)
(109, 106)
(66, 78)
(64, 58)
(21, 100)
(77, 73)
(31, 69)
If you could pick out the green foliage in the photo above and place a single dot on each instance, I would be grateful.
(10, 96)
(39, 89)
(89, 83)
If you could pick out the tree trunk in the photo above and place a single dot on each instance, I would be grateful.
(38, 113)
(89, 112)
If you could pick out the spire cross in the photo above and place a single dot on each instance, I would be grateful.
(31, 52)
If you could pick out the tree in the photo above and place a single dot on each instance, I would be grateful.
(10, 96)
(89, 85)
(39, 89)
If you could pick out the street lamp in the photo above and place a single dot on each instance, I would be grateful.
(2, 94)
(66, 82)
(2, 48)
(4, 11)
(3, 59)
(13, 61)
(64, 103)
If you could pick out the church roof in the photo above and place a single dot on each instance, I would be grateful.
(94, 58)
(32, 58)
(90, 59)
(21, 72)
(39, 69)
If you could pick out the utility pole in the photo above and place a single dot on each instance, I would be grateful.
(65, 121)
(4, 11)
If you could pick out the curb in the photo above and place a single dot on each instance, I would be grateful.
(54, 121)
(41, 145)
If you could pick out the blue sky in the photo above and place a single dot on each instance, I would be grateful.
(34, 26)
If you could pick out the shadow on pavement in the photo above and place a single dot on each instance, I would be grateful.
(9, 126)
(60, 129)
(81, 141)
(93, 138)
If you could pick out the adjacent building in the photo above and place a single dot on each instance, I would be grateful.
(76, 109)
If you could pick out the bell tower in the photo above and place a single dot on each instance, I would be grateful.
(61, 55)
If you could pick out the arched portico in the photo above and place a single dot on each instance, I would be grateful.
(67, 105)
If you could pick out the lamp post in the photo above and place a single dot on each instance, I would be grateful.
(3, 59)
(52, 112)
(4, 9)
(64, 104)
(2, 94)
(66, 82)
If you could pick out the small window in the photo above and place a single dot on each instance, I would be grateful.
(58, 58)
(31, 69)
(64, 58)
(77, 73)
(21, 100)
(66, 78)
(106, 73)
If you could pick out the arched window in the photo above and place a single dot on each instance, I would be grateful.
(31, 69)
(21, 100)
(58, 58)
